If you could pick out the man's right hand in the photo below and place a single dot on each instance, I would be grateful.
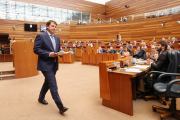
(52, 54)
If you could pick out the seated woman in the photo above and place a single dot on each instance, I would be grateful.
(126, 52)
(99, 50)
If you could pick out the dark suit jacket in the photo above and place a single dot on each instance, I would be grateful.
(121, 52)
(2, 50)
(42, 47)
(112, 51)
(174, 41)
(162, 62)
(139, 54)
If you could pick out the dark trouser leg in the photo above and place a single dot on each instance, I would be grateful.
(51, 81)
(44, 90)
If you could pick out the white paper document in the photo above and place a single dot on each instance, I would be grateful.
(133, 70)
(62, 53)
(140, 66)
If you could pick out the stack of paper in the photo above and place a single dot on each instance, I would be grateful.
(62, 53)
(140, 66)
(133, 70)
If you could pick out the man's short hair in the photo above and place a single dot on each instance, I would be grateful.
(50, 21)
(163, 43)
(172, 47)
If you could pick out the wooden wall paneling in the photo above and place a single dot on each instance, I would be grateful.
(116, 9)
(134, 30)
(1, 58)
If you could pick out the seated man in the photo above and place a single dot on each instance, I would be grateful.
(174, 40)
(111, 50)
(121, 51)
(138, 53)
(131, 46)
(161, 64)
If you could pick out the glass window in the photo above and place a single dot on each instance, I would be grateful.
(86, 17)
(76, 16)
(69, 15)
(57, 15)
(50, 12)
(20, 10)
(63, 15)
(44, 11)
(35, 10)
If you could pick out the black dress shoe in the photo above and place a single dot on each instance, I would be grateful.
(62, 110)
(43, 101)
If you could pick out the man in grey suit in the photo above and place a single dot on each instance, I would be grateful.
(46, 47)
(174, 40)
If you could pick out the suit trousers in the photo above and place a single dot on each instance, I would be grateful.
(50, 83)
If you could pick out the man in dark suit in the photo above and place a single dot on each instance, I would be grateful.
(111, 50)
(121, 51)
(46, 47)
(138, 53)
(161, 64)
(2, 49)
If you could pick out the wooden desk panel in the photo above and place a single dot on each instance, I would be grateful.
(105, 56)
(85, 58)
(176, 45)
(1, 58)
(8, 58)
(117, 56)
(111, 56)
(118, 88)
(67, 58)
(92, 57)
(99, 58)
(120, 93)
(60, 60)
(89, 49)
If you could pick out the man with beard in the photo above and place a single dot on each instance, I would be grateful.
(160, 64)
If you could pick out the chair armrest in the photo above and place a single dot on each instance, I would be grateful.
(167, 74)
(149, 80)
(168, 89)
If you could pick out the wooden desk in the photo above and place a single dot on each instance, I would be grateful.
(68, 58)
(105, 56)
(117, 88)
(6, 58)
(78, 54)
(99, 57)
(92, 58)
(85, 58)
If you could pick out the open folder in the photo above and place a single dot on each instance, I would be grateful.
(62, 53)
